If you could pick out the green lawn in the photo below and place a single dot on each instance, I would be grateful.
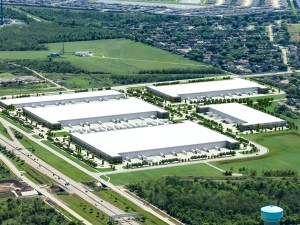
(27, 89)
(294, 28)
(4, 132)
(15, 123)
(113, 56)
(79, 81)
(60, 133)
(284, 153)
(275, 97)
(84, 209)
(34, 175)
(186, 170)
(30, 172)
(5, 172)
(56, 161)
(64, 153)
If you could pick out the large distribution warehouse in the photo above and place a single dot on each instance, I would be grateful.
(152, 141)
(181, 92)
(243, 115)
(93, 112)
(61, 99)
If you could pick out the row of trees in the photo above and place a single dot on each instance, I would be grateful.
(31, 211)
(197, 201)
(4, 172)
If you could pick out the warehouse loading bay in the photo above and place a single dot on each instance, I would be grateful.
(85, 128)
(124, 124)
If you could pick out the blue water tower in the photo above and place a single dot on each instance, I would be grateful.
(271, 214)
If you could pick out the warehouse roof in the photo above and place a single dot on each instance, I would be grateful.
(54, 114)
(249, 115)
(202, 87)
(61, 97)
(147, 138)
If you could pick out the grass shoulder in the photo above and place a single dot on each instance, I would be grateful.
(55, 161)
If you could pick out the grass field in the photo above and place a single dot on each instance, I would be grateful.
(60, 133)
(275, 97)
(294, 30)
(55, 161)
(284, 153)
(112, 56)
(34, 175)
(4, 132)
(84, 209)
(143, 175)
(69, 156)
(27, 89)
(3, 172)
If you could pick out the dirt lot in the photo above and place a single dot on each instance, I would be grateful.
(15, 187)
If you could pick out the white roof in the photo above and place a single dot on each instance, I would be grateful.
(203, 87)
(61, 97)
(146, 138)
(249, 115)
(29, 193)
(54, 114)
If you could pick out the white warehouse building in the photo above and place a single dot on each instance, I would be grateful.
(207, 89)
(93, 112)
(153, 141)
(242, 115)
(61, 98)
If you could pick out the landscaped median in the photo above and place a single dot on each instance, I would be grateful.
(66, 154)
(84, 209)
(4, 132)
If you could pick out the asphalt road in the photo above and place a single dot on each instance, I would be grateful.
(44, 192)
(74, 187)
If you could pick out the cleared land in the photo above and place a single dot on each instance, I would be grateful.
(294, 30)
(189, 170)
(111, 56)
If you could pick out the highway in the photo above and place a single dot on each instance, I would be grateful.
(44, 192)
(79, 189)
(95, 175)
(74, 187)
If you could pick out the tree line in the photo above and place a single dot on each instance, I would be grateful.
(31, 211)
(195, 200)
